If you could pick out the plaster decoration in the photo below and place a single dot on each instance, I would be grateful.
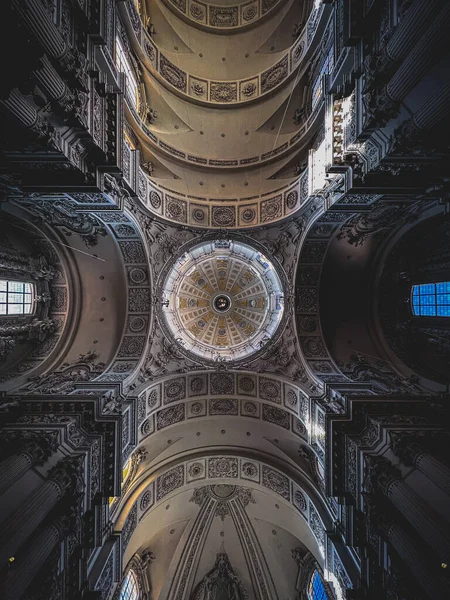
(291, 199)
(307, 299)
(147, 427)
(247, 385)
(299, 500)
(290, 398)
(174, 390)
(222, 383)
(276, 481)
(172, 73)
(139, 300)
(170, 416)
(248, 214)
(248, 88)
(141, 409)
(199, 214)
(155, 200)
(299, 428)
(154, 397)
(250, 470)
(137, 275)
(82, 370)
(223, 91)
(196, 409)
(317, 527)
(197, 385)
(132, 346)
(147, 500)
(223, 467)
(196, 470)
(250, 409)
(61, 212)
(128, 527)
(170, 481)
(223, 216)
(277, 416)
(176, 209)
(223, 16)
(313, 347)
(198, 11)
(137, 323)
(272, 209)
(308, 324)
(221, 579)
(106, 578)
(272, 77)
(223, 406)
(270, 389)
(133, 252)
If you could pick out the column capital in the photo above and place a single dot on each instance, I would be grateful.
(406, 447)
(68, 475)
(381, 473)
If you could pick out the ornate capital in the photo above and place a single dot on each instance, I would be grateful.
(68, 475)
(381, 473)
(406, 446)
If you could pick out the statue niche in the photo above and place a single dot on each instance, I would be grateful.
(221, 583)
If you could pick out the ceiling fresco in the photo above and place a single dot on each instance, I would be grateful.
(222, 300)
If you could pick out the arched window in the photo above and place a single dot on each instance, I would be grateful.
(16, 297)
(431, 299)
(129, 589)
(316, 588)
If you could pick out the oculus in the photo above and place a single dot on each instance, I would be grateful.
(222, 300)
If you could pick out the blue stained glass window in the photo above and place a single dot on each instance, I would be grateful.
(316, 589)
(431, 299)
(129, 589)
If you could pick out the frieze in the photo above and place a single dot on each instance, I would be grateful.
(225, 18)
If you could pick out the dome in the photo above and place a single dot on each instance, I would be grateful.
(222, 300)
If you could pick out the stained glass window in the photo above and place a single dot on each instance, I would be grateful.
(129, 589)
(16, 297)
(316, 589)
(123, 65)
(325, 69)
(431, 299)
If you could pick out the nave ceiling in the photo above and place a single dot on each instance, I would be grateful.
(222, 233)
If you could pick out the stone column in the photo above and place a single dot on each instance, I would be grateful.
(417, 453)
(407, 549)
(65, 477)
(40, 23)
(34, 449)
(387, 480)
(422, 56)
(30, 562)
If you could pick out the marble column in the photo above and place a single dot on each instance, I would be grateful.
(418, 452)
(64, 478)
(421, 57)
(34, 449)
(387, 480)
(30, 562)
(405, 546)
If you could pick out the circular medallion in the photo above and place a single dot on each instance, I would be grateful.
(222, 300)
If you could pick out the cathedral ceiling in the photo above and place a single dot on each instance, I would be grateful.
(222, 121)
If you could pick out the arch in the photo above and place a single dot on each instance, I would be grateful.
(109, 285)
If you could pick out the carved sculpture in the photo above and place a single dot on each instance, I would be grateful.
(221, 583)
